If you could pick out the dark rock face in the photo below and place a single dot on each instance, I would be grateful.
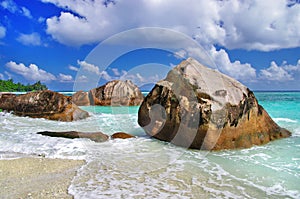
(200, 108)
(81, 98)
(116, 93)
(43, 104)
(95, 136)
(122, 135)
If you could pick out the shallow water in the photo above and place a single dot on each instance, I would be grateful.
(147, 168)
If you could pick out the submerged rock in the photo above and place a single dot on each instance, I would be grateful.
(200, 108)
(116, 93)
(43, 104)
(95, 136)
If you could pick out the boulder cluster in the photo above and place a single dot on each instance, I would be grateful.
(193, 107)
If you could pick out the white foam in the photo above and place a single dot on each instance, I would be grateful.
(148, 168)
(285, 120)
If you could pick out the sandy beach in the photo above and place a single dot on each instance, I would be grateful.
(37, 177)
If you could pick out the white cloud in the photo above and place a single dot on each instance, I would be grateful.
(284, 72)
(41, 19)
(12, 7)
(292, 68)
(65, 78)
(2, 32)
(31, 73)
(33, 39)
(94, 70)
(116, 71)
(82, 78)
(234, 69)
(26, 12)
(8, 75)
(106, 76)
(261, 25)
(73, 68)
(89, 67)
(275, 73)
(220, 60)
(1, 76)
(9, 5)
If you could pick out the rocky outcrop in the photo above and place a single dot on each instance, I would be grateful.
(200, 108)
(43, 104)
(121, 135)
(116, 93)
(81, 98)
(95, 136)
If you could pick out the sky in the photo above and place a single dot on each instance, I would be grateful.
(66, 43)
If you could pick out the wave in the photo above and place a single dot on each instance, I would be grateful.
(284, 120)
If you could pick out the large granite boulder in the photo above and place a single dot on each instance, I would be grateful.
(116, 93)
(200, 108)
(81, 98)
(43, 104)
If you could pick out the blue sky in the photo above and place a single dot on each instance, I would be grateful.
(256, 42)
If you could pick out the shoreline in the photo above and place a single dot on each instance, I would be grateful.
(37, 177)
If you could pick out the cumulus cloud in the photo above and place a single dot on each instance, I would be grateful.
(261, 25)
(2, 32)
(285, 72)
(73, 68)
(65, 78)
(1, 76)
(221, 61)
(26, 12)
(89, 67)
(82, 78)
(12, 7)
(94, 70)
(116, 71)
(236, 69)
(33, 39)
(9, 5)
(31, 73)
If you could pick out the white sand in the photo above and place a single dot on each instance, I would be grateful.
(37, 177)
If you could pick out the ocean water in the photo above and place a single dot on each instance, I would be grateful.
(147, 168)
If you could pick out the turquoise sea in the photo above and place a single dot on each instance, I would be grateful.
(147, 168)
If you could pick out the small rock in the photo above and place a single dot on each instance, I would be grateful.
(122, 135)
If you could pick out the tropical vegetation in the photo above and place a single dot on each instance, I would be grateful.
(10, 86)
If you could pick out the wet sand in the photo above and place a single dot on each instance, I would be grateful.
(37, 177)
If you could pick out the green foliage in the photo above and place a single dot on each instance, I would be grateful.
(10, 86)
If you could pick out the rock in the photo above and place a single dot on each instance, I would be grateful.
(200, 108)
(81, 98)
(122, 135)
(6, 100)
(95, 136)
(116, 93)
(43, 104)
